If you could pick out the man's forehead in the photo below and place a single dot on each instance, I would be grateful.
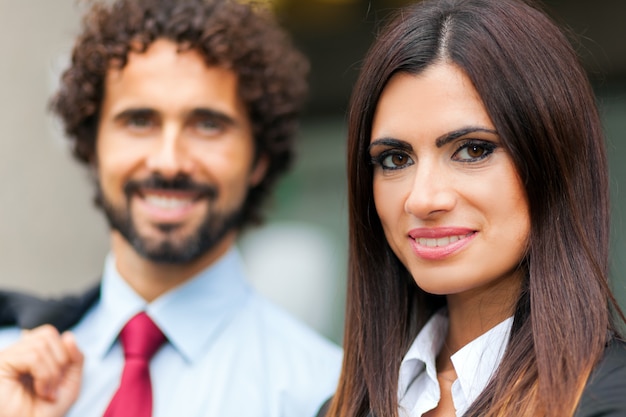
(167, 80)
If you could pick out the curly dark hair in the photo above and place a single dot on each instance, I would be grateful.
(244, 38)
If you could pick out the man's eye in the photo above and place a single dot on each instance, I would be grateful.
(139, 122)
(207, 126)
(474, 151)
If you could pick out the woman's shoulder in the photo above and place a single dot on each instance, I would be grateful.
(324, 408)
(605, 393)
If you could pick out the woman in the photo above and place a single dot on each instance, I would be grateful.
(479, 223)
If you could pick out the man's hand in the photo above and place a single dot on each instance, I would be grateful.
(40, 375)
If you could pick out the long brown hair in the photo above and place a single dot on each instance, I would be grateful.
(541, 103)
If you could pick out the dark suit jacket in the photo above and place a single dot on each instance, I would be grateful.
(27, 311)
(605, 393)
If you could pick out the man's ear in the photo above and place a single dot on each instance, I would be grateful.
(92, 166)
(259, 170)
(92, 170)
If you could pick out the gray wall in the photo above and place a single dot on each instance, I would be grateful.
(51, 239)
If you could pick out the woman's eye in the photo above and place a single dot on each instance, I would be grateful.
(393, 160)
(473, 151)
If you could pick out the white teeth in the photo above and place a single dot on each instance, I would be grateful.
(442, 241)
(167, 203)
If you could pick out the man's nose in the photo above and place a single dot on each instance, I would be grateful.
(170, 155)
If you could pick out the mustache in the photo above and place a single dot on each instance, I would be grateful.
(177, 183)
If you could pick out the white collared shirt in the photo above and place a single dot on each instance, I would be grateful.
(474, 364)
(229, 352)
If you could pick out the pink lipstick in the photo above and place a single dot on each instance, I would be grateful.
(440, 242)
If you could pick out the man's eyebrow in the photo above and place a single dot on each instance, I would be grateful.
(206, 113)
(200, 112)
(455, 134)
(391, 143)
(135, 112)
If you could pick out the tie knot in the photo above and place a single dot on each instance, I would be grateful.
(141, 338)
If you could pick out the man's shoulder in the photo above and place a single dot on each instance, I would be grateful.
(293, 349)
(304, 364)
(604, 393)
(24, 310)
(282, 328)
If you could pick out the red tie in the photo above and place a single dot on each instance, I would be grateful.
(140, 338)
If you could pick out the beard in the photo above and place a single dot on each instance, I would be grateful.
(171, 249)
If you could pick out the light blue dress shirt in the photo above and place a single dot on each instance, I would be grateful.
(229, 352)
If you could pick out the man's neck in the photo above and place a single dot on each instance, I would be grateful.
(151, 279)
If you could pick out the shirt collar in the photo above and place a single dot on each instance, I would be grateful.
(190, 315)
(423, 352)
(474, 364)
(477, 361)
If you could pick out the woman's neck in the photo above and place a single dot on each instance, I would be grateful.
(473, 313)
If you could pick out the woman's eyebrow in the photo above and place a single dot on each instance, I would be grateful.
(455, 134)
(391, 143)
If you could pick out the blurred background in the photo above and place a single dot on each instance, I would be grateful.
(53, 241)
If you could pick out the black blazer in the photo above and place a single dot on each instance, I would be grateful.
(605, 393)
(27, 311)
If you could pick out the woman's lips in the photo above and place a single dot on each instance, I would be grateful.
(439, 243)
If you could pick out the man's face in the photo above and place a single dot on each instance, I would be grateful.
(175, 153)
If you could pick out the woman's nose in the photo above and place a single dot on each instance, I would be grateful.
(432, 192)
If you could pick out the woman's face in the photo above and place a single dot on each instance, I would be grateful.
(452, 206)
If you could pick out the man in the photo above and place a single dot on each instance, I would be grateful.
(185, 113)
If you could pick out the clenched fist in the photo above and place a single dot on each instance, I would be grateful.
(40, 375)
